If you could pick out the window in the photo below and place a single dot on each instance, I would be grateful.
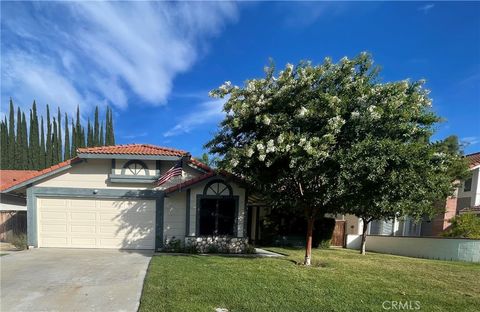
(217, 209)
(217, 216)
(467, 185)
(135, 167)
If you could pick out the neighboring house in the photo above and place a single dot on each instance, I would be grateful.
(466, 199)
(109, 197)
(13, 208)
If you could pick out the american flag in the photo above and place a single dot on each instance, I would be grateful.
(172, 172)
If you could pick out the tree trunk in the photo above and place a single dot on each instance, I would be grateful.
(308, 247)
(364, 236)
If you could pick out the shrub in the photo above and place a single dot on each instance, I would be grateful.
(173, 245)
(325, 244)
(249, 249)
(465, 225)
(19, 241)
(213, 249)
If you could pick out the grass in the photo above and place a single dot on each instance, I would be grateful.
(339, 280)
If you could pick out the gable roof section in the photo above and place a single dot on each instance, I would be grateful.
(473, 159)
(133, 149)
(190, 183)
(32, 176)
(210, 174)
(24, 177)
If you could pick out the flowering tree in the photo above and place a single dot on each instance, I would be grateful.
(289, 135)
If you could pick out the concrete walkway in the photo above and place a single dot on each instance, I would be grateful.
(266, 253)
(49, 279)
(259, 253)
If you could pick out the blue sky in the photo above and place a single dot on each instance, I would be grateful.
(154, 63)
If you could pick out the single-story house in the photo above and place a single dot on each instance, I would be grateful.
(110, 197)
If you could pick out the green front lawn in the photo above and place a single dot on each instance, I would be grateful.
(339, 280)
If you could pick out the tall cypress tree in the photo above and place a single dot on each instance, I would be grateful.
(112, 132)
(96, 130)
(43, 155)
(30, 149)
(48, 145)
(34, 141)
(67, 140)
(89, 134)
(25, 151)
(35, 149)
(109, 135)
(11, 137)
(18, 142)
(4, 144)
(101, 140)
(54, 142)
(73, 151)
(78, 130)
(59, 136)
(107, 132)
(82, 137)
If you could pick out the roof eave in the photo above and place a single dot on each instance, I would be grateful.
(37, 178)
(128, 156)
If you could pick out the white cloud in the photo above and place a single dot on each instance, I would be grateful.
(207, 112)
(91, 53)
(29, 79)
(426, 8)
(471, 140)
(134, 136)
(305, 13)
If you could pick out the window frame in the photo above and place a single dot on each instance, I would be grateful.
(204, 195)
(470, 181)
(142, 164)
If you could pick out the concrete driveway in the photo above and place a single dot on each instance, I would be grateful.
(49, 279)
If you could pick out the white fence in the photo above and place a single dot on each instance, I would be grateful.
(459, 249)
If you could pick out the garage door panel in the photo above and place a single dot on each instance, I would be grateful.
(82, 203)
(83, 242)
(83, 228)
(49, 215)
(112, 230)
(50, 202)
(83, 216)
(108, 217)
(96, 223)
(54, 241)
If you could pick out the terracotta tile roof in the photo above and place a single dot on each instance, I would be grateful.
(211, 173)
(33, 174)
(9, 176)
(133, 149)
(473, 159)
(190, 182)
(200, 165)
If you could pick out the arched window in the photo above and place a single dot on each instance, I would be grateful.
(217, 210)
(218, 188)
(135, 167)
